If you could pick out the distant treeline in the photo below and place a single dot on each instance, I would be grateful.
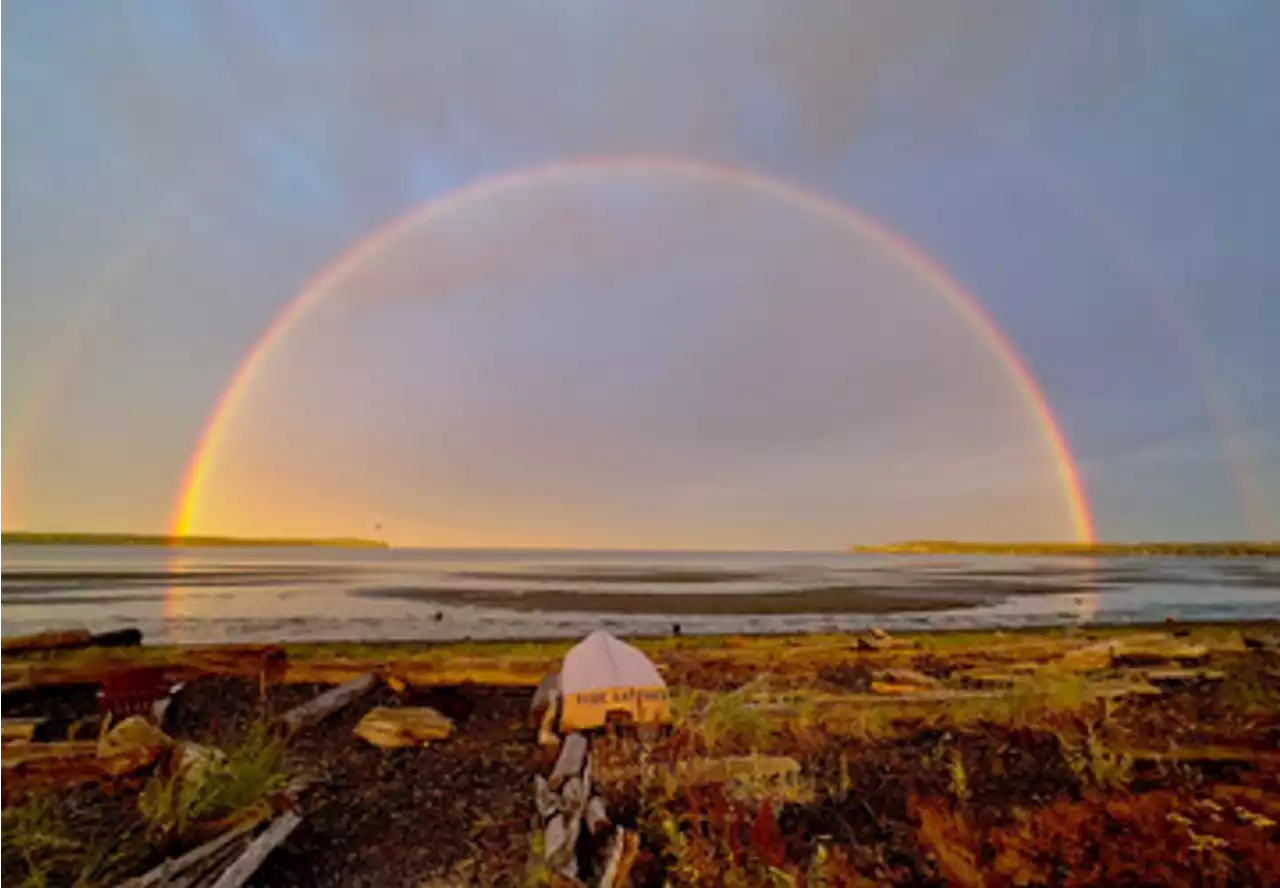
(19, 537)
(1190, 550)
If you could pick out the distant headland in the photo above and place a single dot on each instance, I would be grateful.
(30, 538)
(1169, 550)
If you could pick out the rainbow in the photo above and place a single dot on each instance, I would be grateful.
(195, 479)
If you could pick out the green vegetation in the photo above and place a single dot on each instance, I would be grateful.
(32, 538)
(216, 787)
(46, 847)
(1113, 550)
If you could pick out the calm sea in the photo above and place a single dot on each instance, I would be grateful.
(225, 594)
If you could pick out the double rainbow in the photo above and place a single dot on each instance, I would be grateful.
(186, 508)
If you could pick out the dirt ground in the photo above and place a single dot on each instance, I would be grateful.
(458, 810)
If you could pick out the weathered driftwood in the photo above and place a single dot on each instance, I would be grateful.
(896, 689)
(206, 871)
(118, 638)
(323, 705)
(1184, 676)
(405, 726)
(247, 863)
(131, 746)
(1159, 653)
(1208, 755)
(47, 641)
(508, 673)
(901, 676)
(19, 729)
(622, 857)
(171, 869)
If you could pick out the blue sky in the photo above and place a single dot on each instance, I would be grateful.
(1100, 176)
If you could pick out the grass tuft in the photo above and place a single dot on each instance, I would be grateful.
(173, 805)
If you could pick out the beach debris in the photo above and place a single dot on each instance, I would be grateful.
(247, 863)
(622, 857)
(604, 679)
(1184, 677)
(403, 726)
(1090, 658)
(544, 698)
(910, 677)
(323, 705)
(1208, 755)
(990, 679)
(566, 803)
(118, 638)
(131, 745)
(893, 689)
(1159, 652)
(202, 861)
(1260, 643)
(47, 641)
(19, 730)
(69, 639)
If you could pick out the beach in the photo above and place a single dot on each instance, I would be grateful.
(895, 759)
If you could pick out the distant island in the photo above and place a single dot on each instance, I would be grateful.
(1181, 550)
(30, 538)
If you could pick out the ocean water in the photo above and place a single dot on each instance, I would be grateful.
(259, 595)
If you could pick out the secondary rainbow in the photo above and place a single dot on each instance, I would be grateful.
(220, 418)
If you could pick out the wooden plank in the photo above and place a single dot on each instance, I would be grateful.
(247, 863)
(323, 705)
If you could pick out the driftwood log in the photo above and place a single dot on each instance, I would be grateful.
(47, 641)
(169, 871)
(69, 639)
(200, 866)
(323, 705)
(247, 863)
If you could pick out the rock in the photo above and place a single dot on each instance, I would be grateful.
(405, 726)
(878, 634)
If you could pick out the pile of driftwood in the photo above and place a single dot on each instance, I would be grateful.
(229, 860)
(578, 838)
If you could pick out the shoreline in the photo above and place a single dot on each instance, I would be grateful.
(1223, 549)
